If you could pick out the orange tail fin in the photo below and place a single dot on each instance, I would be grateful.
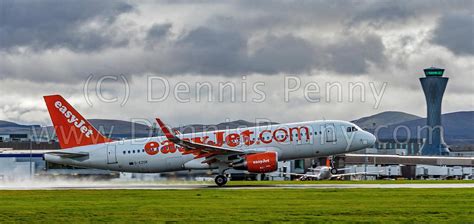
(72, 129)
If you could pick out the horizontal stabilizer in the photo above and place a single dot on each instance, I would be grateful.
(69, 154)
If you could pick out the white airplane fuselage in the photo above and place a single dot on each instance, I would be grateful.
(290, 141)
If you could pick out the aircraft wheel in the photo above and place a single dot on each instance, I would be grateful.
(333, 171)
(220, 180)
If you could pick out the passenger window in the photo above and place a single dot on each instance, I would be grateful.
(128, 151)
(133, 151)
(124, 152)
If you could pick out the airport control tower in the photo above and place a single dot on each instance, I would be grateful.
(434, 85)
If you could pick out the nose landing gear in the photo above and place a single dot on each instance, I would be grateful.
(220, 180)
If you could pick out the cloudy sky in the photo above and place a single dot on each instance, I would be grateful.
(130, 60)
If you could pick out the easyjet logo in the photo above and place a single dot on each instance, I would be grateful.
(73, 119)
(244, 138)
(262, 161)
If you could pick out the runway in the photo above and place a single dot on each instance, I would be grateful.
(128, 186)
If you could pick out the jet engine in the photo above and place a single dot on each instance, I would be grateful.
(258, 163)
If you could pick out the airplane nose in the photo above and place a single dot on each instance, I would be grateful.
(371, 139)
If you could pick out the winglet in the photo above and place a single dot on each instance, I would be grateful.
(165, 129)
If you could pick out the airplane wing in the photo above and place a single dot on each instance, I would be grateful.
(198, 149)
(319, 168)
(302, 175)
(314, 169)
(353, 174)
(68, 154)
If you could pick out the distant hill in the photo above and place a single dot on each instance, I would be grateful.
(121, 129)
(221, 126)
(458, 128)
(7, 127)
(8, 124)
(124, 129)
(383, 119)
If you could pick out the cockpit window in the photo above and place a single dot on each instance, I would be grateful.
(351, 129)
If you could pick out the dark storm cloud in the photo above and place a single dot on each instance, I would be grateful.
(382, 12)
(224, 52)
(283, 54)
(208, 51)
(353, 55)
(99, 37)
(158, 32)
(48, 24)
(456, 32)
(51, 46)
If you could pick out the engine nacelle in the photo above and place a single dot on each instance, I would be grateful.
(259, 163)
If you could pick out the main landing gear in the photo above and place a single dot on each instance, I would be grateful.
(220, 180)
(332, 165)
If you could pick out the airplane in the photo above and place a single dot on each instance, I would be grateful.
(253, 149)
(327, 172)
(324, 173)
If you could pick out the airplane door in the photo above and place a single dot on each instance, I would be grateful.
(111, 156)
(330, 132)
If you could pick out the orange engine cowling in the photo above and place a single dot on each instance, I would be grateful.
(259, 163)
